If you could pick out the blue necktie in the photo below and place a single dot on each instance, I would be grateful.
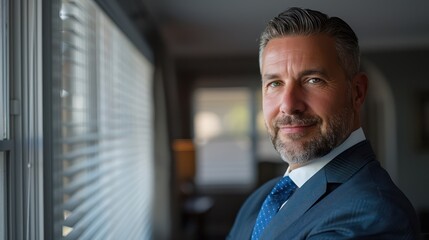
(280, 193)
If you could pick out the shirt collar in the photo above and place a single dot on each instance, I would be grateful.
(302, 174)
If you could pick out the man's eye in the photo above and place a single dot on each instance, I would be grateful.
(274, 84)
(314, 80)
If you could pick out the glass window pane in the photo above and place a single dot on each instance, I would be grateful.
(222, 136)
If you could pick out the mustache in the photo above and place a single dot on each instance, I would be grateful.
(296, 120)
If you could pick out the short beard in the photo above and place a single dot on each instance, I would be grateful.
(338, 129)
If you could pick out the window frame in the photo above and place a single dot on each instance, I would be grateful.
(24, 157)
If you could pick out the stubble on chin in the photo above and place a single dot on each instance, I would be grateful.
(299, 149)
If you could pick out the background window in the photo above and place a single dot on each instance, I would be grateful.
(222, 121)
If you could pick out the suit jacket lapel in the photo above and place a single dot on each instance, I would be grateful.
(248, 220)
(301, 201)
(339, 170)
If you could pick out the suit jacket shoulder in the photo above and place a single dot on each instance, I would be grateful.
(246, 217)
(352, 197)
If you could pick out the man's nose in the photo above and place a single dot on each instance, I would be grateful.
(292, 99)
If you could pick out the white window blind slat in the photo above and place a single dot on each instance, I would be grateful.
(104, 130)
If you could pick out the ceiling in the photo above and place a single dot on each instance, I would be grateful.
(232, 27)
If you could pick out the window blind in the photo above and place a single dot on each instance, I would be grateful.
(103, 130)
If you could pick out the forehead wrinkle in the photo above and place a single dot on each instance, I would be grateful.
(297, 57)
(282, 63)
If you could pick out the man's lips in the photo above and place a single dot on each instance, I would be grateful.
(295, 128)
(295, 124)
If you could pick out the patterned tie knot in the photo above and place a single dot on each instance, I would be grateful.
(278, 195)
(283, 189)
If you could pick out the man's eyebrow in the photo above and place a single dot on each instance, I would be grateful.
(308, 72)
(268, 76)
(320, 72)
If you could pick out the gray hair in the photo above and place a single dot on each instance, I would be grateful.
(297, 21)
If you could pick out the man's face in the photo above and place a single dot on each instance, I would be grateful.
(309, 105)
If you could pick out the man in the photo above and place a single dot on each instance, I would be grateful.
(313, 91)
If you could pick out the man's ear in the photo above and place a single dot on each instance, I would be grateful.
(359, 89)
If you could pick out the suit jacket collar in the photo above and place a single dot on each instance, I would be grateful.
(339, 170)
(349, 162)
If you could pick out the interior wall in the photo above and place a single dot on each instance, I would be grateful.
(378, 118)
(168, 120)
(405, 72)
(164, 218)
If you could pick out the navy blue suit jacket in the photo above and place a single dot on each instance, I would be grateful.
(352, 197)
